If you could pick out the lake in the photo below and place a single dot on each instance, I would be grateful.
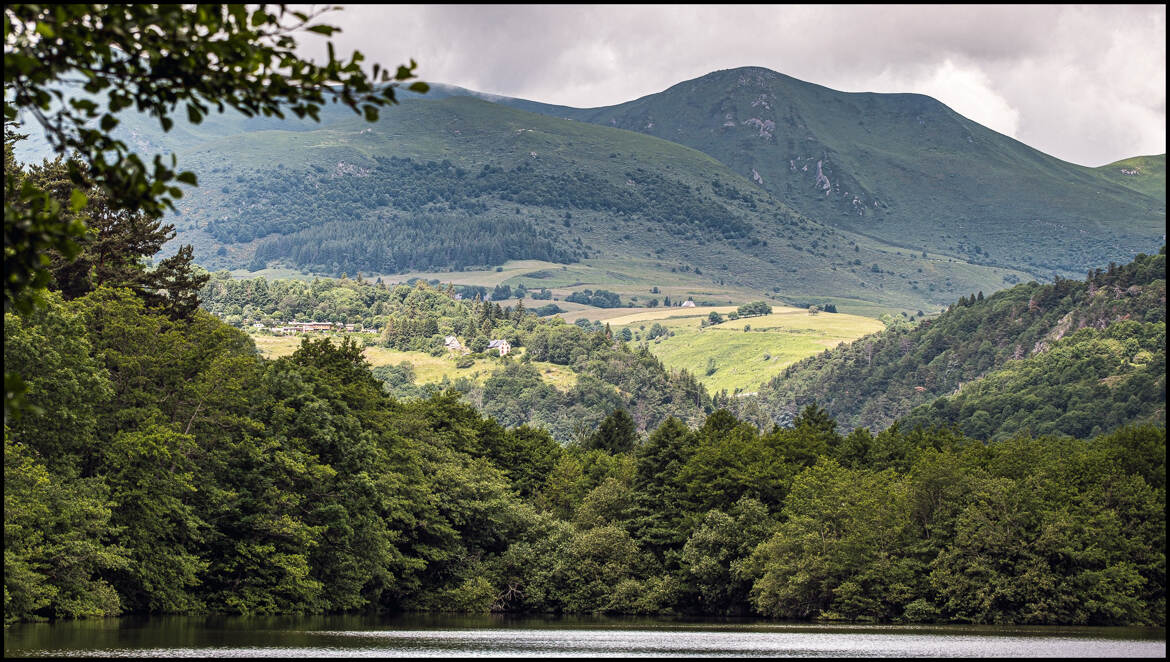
(438, 636)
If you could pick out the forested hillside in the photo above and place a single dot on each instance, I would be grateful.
(166, 468)
(319, 226)
(1087, 382)
(878, 379)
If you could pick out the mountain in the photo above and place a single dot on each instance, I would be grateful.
(456, 182)
(1012, 339)
(905, 169)
(747, 181)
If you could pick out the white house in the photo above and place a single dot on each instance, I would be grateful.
(452, 343)
(501, 345)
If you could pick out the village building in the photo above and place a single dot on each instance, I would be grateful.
(502, 345)
(452, 343)
(688, 304)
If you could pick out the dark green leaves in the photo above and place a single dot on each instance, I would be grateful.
(155, 57)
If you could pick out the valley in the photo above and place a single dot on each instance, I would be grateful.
(747, 347)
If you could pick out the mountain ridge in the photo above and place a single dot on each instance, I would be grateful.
(865, 151)
(627, 194)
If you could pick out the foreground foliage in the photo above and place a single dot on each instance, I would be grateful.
(167, 468)
(58, 62)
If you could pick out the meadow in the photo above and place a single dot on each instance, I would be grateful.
(743, 360)
(427, 369)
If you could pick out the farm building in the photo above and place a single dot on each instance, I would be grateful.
(452, 343)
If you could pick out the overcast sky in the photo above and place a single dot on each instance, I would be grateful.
(1083, 83)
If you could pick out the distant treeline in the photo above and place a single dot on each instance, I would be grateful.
(402, 215)
(599, 298)
(421, 317)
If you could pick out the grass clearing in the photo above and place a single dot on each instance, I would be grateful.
(784, 337)
(427, 369)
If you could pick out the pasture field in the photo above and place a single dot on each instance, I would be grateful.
(427, 369)
(742, 360)
(632, 278)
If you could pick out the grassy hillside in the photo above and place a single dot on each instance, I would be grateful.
(742, 361)
(753, 180)
(903, 168)
(555, 188)
(426, 368)
(1144, 174)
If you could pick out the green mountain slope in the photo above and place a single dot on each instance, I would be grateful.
(903, 168)
(754, 180)
(880, 378)
(459, 182)
(1144, 174)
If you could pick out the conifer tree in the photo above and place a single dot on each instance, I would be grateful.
(616, 434)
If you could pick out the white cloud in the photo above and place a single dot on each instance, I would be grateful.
(966, 89)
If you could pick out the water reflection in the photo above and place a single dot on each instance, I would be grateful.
(430, 635)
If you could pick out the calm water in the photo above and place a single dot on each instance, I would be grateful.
(436, 636)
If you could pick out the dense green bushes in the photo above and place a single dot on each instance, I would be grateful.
(599, 298)
(186, 474)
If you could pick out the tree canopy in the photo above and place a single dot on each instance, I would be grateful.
(73, 68)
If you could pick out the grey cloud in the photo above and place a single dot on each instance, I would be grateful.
(1086, 82)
